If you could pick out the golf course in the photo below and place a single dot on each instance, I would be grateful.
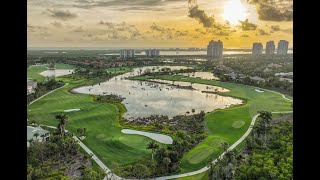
(115, 149)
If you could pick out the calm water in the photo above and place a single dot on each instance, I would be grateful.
(148, 98)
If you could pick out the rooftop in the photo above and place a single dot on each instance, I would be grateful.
(32, 130)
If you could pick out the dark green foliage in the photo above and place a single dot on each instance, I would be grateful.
(268, 154)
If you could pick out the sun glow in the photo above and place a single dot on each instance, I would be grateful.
(234, 11)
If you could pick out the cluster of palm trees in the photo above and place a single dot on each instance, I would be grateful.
(261, 129)
(63, 119)
(225, 167)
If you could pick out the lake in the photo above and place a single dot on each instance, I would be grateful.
(143, 99)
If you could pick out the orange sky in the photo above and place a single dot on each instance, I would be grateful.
(154, 23)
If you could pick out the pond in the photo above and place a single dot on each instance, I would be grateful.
(143, 99)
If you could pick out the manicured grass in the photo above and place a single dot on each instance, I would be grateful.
(238, 124)
(220, 122)
(114, 148)
(34, 73)
(64, 66)
(104, 135)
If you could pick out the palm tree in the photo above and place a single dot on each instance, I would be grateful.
(36, 135)
(80, 131)
(153, 146)
(63, 119)
(43, 135)
(265, 117)
(84, 131)
(224, 146)
(166, 161)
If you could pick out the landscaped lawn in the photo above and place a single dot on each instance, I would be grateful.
(114, 148)
(221, 123)
(33, 73)
(100, 119)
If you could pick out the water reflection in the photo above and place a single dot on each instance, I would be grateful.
(148, 98)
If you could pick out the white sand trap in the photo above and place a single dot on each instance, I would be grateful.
(157, 137)
(56, 72)
(259, 91)
(70, 110)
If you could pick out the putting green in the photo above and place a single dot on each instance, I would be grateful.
(238, 124)
(200, 155)
(219, 122)
(115, 149)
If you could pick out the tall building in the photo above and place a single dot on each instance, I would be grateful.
(257, 48)
(126, 53)
(215, 49)
(283, 47)
(152, 52)
(270, 47)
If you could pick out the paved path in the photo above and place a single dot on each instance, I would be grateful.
(47, 93)
(111, 176)
(229, 149)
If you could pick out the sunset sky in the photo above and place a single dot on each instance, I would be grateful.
(157, 23)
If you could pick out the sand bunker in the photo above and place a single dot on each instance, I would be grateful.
(70, 110)
(57, 72)
(259, 91)
(157, 137)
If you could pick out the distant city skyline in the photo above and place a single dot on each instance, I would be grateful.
(157, 23)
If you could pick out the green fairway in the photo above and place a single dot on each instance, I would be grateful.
(238, 124)
(100, 119)
(33, 73)
(220, 123)
(104, 135)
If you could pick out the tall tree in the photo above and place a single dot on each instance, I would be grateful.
(153, 146)
(63, 119)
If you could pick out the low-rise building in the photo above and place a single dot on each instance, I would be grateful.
(37, 133)
(31, 86)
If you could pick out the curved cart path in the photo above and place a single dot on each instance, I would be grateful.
(115, 177)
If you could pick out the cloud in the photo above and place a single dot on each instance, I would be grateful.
(181, 33)
(57, 24)
(201, 16)
(126, 5)
(60, 14)
(262, 32)
(274, 10)
(247, 26)
(275, 28)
